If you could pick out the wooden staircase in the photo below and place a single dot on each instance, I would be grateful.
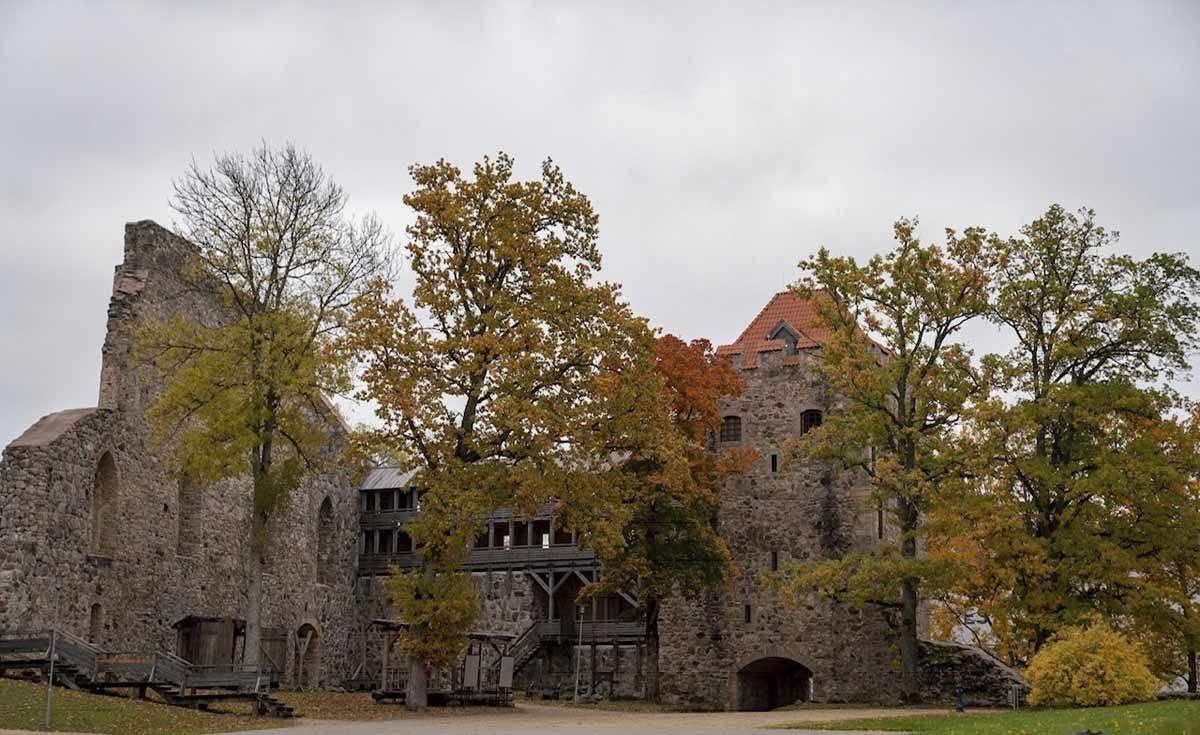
(78, 664)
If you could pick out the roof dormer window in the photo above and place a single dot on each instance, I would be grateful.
(789, 336)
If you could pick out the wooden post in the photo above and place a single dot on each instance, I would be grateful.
(383, 675)
(616, 666)
(638, 681)
(550, 597)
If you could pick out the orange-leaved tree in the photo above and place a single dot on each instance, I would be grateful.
(515, 377)
(670, 541)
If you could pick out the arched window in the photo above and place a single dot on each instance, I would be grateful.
(731, 429)
(809, 420)
(325, 562)
(105, 500)
(190, 517)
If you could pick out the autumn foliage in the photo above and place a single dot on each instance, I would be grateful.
(1090, 667)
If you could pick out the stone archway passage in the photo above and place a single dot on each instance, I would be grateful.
(772, 682)
(307, 665)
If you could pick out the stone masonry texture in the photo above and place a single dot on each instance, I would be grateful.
(804, 511)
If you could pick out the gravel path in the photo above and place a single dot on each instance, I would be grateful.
(532, 719)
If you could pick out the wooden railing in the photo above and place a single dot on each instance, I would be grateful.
(482, 559)
(131, 667)
(606, 631)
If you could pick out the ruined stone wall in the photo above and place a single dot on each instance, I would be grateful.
(145, 578)
(803, 511)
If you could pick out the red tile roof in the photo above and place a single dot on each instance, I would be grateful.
(798, 313)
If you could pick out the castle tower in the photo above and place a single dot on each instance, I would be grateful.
(743, 649)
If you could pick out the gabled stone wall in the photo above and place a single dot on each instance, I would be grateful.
(50, 569)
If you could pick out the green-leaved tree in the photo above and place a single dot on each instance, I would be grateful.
(1075, 438)
(905, 393)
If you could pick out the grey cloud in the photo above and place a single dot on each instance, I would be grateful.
(720, 142)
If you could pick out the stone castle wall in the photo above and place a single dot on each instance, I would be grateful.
(144, 577)
(804, 511)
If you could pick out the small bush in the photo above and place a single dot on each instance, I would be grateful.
(1090, 667)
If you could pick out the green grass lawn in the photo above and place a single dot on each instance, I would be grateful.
(1155, 718)
(22, 706)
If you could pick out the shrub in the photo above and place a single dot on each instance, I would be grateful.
(1090, 667)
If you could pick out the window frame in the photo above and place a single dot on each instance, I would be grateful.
(731, 429)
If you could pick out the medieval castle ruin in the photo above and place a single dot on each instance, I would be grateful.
(99, 538)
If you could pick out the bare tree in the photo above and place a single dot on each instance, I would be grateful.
(249, 393)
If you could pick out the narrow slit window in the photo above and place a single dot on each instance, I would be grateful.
(774, 561)
(747, 613)
(774, 462)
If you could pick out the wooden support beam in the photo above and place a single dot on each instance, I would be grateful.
(538, 578)
(564, 578)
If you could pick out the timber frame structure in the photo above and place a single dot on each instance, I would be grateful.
(609, 627)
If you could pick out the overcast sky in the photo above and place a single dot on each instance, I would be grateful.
(719, 143)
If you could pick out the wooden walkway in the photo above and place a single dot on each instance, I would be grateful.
(77, 664)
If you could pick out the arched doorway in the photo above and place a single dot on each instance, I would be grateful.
(772, 682)
(306, 666)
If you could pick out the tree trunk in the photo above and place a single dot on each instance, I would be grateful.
(1191, 682)
(652, 650)
(416, 693)
(652, 669)
(260, 519)
(910, 651)
(251, 646)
